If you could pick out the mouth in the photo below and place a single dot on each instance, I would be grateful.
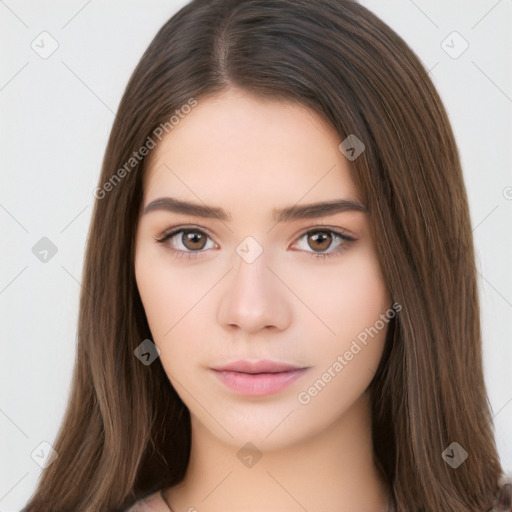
(259, 378)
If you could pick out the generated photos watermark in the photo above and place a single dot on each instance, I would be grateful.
(361, 341)
(143, 151)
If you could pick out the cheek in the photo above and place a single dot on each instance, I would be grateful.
(346, 298)
(157, 294)
(361, 298)
(345, 363)
(169, 292)
(175, 300)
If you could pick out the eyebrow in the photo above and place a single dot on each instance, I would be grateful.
(288, 214)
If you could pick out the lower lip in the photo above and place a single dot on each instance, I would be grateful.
(258, 384)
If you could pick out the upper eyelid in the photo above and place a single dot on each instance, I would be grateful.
(320, 227)
(177, 229)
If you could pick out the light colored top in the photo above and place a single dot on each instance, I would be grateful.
(157, 502)
(153, 503)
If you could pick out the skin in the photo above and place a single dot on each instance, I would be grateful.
(248, 156)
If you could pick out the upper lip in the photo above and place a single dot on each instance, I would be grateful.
(263, 366)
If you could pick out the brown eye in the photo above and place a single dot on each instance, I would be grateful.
(324, 243)
(193, 240)
(187, 242)
(319, 240)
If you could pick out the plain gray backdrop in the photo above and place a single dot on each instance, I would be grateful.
(57, 112)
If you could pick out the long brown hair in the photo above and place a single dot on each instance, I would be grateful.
(126, 433)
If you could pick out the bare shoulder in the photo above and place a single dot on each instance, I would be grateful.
(151, 503)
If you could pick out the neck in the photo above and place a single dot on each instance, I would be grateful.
(331, 470)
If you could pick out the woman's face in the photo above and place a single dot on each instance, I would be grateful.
(258, 314)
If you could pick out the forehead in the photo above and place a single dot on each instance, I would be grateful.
(235, 146)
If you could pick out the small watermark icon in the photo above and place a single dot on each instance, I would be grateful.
(249, 455)
(44, 250)
(351, 147)
(454, 455)
(44, 45)
(249, 249)
(146, 352)
(44, 454)
(454, 45)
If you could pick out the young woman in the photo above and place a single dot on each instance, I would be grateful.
(279, 307)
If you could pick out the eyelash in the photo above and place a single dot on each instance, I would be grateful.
(167, 235)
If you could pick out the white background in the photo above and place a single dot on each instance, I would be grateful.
(56, 117)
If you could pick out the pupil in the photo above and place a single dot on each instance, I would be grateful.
(317, 238)
(191, 240)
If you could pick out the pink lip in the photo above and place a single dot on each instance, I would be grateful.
(258, 378)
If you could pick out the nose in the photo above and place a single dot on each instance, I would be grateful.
(254, 298)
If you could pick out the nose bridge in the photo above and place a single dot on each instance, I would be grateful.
(251, 278)
(252, 298)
